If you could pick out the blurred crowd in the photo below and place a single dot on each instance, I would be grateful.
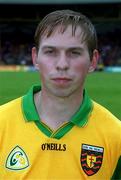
(109, 45)
(15, 54)
(110, 48)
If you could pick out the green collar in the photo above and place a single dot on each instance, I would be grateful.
(80, 118)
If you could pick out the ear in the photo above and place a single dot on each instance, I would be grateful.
(94, 61)
(34, 57)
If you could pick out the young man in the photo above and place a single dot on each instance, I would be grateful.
(56, 131)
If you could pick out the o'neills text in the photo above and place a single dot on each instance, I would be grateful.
(53, 146)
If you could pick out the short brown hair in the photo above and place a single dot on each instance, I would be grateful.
(65, 18)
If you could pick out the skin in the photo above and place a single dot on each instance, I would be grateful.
(63, 62)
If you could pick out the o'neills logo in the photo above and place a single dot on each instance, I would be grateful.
(53, 146)
(91, 158)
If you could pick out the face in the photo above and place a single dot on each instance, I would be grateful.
(63, 62)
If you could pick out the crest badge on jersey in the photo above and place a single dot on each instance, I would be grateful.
(17, 159)
(91, 158)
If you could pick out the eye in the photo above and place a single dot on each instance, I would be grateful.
(76, 52)
(49, 51)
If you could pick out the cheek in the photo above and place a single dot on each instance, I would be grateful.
(81, 68)
(45, 67)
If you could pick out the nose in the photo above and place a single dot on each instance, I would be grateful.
(62, 63)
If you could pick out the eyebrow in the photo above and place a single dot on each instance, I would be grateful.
(68, 48)
(48, 47)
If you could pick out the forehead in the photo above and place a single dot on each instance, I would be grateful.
(66, 38)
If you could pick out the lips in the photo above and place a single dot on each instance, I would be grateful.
(61, 80)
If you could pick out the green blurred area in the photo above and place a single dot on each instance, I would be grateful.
(104, 88)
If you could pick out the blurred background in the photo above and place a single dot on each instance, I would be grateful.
(19, 18)
(18, 21)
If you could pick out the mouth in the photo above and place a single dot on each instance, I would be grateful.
(61, 80)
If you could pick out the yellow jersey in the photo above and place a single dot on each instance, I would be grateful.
(86, 147)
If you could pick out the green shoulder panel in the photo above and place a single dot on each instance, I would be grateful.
(117, 172)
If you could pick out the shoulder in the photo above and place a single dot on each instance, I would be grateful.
(106, 126)
(105, 116)
(10, 109)
(10, 104)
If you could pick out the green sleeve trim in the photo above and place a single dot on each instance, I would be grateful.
(117, 172)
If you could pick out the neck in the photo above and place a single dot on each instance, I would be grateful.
(54, 111)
